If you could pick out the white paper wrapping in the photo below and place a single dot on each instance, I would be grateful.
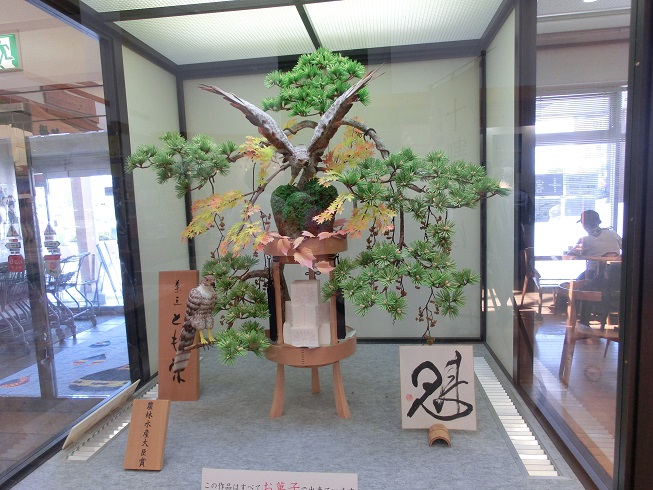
(305, 292)
(305, 336)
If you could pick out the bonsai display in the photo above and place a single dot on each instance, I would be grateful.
(385, 190)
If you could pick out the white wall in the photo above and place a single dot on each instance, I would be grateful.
(152, 110)
(576, 66)
(500, 211)
(429, 105)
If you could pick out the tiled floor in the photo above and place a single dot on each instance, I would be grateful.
(84, 376)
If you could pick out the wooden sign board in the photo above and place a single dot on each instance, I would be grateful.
(147, 435)
(174, 287)
(437, 386)
(216, 478)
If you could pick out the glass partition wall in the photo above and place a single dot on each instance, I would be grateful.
(570, 310)
(432, 95)
(63, 347)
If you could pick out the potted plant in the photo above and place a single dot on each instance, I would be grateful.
(387, 189)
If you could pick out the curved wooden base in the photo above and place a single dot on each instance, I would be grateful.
(314, 358)
(311, 356)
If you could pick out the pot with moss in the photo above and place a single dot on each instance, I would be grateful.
(293, 209)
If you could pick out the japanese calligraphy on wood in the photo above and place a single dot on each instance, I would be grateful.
(147, 435)
(275, 480)
(174, 287)
(437, 386)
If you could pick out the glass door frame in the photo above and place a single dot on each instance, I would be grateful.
(123, 194)
(635, 394)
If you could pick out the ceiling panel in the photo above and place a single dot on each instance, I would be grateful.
(355, 24)
(113, 5)
(248, 29)
(224, 36)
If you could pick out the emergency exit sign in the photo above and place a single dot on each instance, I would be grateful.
(9, 55)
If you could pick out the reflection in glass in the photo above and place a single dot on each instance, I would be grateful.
(63, 346)
(579, 166)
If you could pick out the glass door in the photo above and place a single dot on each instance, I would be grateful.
(571, 289)
(63, 347)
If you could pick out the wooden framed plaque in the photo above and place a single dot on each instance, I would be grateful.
(147, 435)
(174, 287)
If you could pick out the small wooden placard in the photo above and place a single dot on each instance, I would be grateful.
(147, 435)
(174, 287)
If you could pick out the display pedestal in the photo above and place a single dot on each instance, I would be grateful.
(439, 432)
(315, 357)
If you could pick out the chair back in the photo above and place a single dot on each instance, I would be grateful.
(529, 262)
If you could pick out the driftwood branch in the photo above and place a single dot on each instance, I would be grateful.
(299, 126)
(369, 133)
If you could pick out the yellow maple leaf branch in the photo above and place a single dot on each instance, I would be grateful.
(334, 208)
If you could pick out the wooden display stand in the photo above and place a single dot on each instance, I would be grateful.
(285, 354)
(439, 432)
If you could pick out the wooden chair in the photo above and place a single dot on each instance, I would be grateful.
(578, 331)
(63, 305)
(15, 311)
(531, 274)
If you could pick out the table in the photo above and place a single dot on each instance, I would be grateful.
(602, 261)
(611, 258)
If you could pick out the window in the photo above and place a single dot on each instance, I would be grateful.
(579, 165)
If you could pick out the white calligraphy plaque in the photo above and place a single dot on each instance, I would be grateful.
(437, 386)
(273, 480)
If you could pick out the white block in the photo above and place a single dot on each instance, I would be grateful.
(288, 312)
(287, 334)
(308, 315)
(324, 333)
(311, 315)
(305, 292)
(297, 315)
(324, 313)
(305, 336)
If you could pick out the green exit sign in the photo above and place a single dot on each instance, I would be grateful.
(9, 55)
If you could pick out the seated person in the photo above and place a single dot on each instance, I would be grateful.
(599, 242)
